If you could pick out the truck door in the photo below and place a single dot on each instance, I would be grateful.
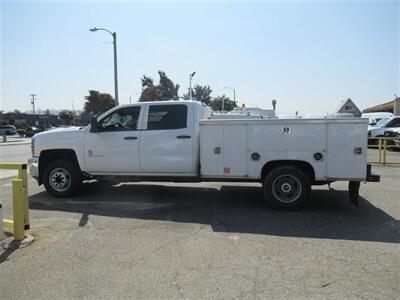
(115, 147)
(344, 160)
(167, 141)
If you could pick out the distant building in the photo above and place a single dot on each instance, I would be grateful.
(21, 120)
(384, 107)
(348, 106)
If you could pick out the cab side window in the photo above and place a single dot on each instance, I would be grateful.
(394, 123)
(167, 117)
(124, 119)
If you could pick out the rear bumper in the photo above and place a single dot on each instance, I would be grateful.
(372, 177)
(33, 167)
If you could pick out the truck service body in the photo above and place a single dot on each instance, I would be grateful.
(178, 141)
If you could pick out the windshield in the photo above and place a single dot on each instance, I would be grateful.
(382, 122)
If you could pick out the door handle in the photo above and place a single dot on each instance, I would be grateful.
(130, 138)
(183, 137)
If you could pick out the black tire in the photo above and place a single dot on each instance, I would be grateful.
(286, 188)
(62, 178)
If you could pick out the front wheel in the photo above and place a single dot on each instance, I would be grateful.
(286, 188)
(62, 178)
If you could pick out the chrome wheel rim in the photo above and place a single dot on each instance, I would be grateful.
(287, 188)
(60, 179)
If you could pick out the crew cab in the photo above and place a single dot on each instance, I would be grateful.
(178, 141)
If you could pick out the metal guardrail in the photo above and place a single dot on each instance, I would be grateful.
(383, 144)
(20, 220)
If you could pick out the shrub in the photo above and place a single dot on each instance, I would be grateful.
(21, 132)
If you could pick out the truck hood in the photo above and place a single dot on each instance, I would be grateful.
(70, 128)
(59, 138)
(59, 130)
(372, 127)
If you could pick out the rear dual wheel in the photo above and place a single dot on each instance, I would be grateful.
(286, 187)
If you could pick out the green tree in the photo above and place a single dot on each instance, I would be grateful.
(83, 118)
(67, 116)
(200, 93)
(147, 81)
(84, 114)
(15, 111)
(165, 90)
(216, 103)
(98, 103)
(168, 90)
(3, 122)
(150, 92)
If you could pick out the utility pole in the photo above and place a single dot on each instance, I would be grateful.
(396, 105)
(33, 102)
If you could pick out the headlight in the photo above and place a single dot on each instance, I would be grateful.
(33, 146)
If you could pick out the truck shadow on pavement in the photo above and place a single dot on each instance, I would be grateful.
(233, 209)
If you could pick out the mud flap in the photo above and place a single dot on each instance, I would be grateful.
(354, 187)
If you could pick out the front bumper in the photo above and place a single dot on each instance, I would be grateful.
(33, 167)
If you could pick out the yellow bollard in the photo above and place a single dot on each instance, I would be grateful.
(18, 209)
(8, 223)
(379, 149)
(384, 151)
(23, 174)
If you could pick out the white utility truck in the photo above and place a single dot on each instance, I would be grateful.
(177, 141)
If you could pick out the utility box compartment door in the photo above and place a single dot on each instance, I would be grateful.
(347, 151)
(235, 151)
(211, 142)
(223, 151)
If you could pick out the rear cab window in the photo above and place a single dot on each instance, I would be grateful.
(163, 117)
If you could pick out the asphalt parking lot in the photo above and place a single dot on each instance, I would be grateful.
(206, 241)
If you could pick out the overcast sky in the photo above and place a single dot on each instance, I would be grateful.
(306, 55)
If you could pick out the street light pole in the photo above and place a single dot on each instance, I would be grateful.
(190, 85)
(33, 102)
(234, 92)
(114, 35)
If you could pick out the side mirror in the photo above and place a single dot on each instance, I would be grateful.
(93, 124)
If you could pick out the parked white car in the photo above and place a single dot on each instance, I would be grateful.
(383, 125)
(375, 117)
(176, 141)
(8, 129)
(395, 133)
